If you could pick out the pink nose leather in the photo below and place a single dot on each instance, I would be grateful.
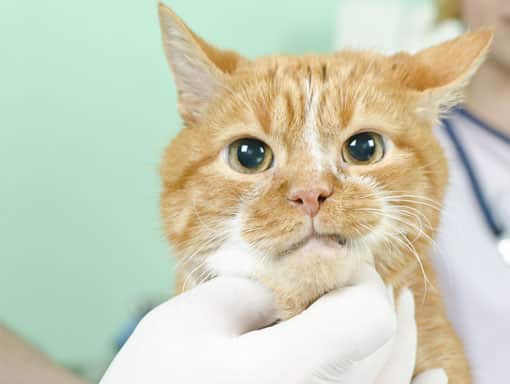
(310, 200)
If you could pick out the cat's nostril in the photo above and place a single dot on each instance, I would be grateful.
(310, 200)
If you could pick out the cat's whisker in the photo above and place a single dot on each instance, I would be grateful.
(189, 275)
(436, 206)
(191, 258)
(429, 283)
(402, 239)
(416, 202)
(403, 211)
(423, 222)
(413, 198)
(204, 276)
(432, 241)
(390, 191)
(419, 233)
(417, 212)
(399, 194)
(384, 214)
(207, 242)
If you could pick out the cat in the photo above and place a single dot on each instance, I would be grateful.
(292, 170)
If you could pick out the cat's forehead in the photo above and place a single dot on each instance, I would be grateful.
(344, 65)
(288, 94)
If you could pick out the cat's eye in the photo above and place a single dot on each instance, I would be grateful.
(249, 155)
(363, 149)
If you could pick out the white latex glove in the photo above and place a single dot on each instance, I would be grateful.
(394, 362)
(220, 332)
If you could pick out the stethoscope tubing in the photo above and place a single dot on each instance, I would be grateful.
(496, 229)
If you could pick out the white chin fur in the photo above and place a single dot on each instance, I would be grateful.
(297, 279)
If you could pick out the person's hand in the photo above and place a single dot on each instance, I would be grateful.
(394, 362)
(221, 332)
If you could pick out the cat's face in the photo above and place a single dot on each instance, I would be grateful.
(292, 170)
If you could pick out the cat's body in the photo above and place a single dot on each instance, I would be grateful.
(293, 170)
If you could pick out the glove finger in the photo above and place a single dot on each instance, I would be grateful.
(363, 371)
(224, 306)
(400, 366)
(432, 376)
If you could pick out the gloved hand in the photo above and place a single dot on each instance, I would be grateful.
(221, 332)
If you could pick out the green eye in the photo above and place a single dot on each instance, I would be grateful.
(250, 156)
(363, 148)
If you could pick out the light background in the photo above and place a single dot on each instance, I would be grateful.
(87, 105)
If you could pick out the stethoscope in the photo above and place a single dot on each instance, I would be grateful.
(500, 233)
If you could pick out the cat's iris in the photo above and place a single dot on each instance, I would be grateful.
(250, 155)
(363, 148)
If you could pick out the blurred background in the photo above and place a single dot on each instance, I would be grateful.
(87, 105)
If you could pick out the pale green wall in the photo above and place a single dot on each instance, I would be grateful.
(86, 107)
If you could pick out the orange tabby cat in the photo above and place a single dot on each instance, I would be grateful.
(293, 170)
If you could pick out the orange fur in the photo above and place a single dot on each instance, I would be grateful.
(224, 222)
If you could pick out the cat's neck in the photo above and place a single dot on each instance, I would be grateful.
(488, 95)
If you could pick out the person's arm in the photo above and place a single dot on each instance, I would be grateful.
(23, 364)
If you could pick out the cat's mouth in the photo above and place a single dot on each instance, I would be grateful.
(316, 240)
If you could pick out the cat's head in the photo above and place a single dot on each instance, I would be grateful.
(293, 169)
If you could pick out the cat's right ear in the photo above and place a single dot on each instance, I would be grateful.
(199, 69)
(440, 73)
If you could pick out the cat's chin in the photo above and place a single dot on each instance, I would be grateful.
(303, 275)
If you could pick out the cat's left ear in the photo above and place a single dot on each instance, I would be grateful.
(199, 69)
(441, 72)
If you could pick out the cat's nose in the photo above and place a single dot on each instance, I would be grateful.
(310, 199)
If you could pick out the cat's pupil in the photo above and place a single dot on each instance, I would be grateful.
(251, 153)
(362, 147)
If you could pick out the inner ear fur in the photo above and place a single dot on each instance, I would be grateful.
(199, 68)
